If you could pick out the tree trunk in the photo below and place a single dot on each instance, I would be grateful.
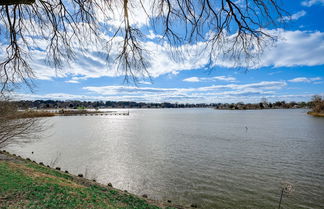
(12, 2)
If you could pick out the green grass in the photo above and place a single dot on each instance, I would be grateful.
(28, 185)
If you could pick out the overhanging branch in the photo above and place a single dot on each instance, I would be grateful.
(15, 2)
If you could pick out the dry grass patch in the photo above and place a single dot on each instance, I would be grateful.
(44, 177)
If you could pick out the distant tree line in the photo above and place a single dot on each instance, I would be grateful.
(74, 104)
(264, 105)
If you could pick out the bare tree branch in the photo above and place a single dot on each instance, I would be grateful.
(235, 29)
(13, 128)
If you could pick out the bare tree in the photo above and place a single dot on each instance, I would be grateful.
(234, 28)
(318, 104)
(13, 128)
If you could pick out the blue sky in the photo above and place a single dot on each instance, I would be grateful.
(291, 70)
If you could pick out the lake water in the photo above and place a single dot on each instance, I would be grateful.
(214, 158)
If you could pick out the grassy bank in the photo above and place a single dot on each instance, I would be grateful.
(26, 184)
(316, 114)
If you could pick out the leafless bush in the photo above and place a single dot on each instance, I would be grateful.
(54, 162)
(13, 128)
(318, 104)
(232, 28)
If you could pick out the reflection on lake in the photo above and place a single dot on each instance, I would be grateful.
(216, 159)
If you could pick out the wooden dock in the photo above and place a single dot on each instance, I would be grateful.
(96, 114)
(73, 112)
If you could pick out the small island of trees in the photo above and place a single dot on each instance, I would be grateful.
(317, 106)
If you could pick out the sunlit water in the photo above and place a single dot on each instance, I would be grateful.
(216, 159)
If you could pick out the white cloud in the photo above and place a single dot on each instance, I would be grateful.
(224, 78)
(213, 93)
(181, 98)
(293, 48)
(109, 90)
(145, 82)
(304, 80)
(309, 3)
(206, 79)
(192, 79)
(72, 81)
(251, 92)
(152, 35)
(56, 96)
(138, 10)
(295, 16)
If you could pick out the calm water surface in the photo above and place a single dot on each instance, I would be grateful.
(216, 159)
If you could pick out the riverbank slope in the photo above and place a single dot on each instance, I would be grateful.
(26, 184)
